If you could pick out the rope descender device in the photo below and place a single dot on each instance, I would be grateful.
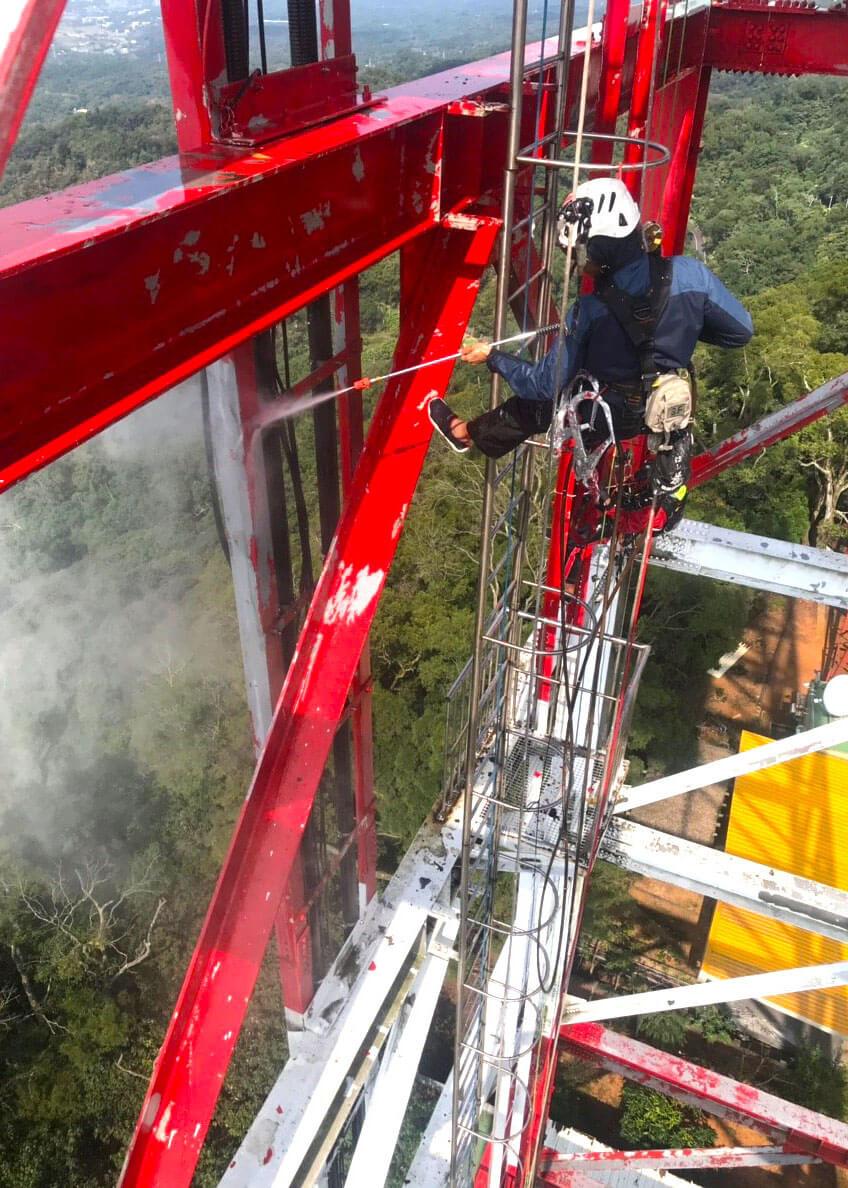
(569, 424)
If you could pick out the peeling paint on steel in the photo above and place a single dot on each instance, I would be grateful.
(353, 595)
(315, 219)
(153, 285)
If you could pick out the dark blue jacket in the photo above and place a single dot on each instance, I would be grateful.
(699, 308)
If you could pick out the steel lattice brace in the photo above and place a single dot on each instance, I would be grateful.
(800, 1129)
(746, 559)
(26, 31)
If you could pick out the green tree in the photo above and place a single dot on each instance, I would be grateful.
(666, 1029)
(818, 1081)
(650, 1119)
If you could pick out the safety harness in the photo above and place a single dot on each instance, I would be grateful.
(664, 401)
(639, 315)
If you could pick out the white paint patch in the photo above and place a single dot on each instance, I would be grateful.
(153, 285)
(314, 220)
(191, 238)
(215, 970)
(180, 115)
(358, 168)
(431, 395)
(178, 255)
(337, 250)
(150, 1113)
(258, 241)
(161, 1131)
(354, 595)
(266, 288)
(397, 527)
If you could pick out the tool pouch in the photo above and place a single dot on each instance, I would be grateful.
(669, 404)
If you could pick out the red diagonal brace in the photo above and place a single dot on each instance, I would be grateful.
(773, 427)
(556, 1170)
(800, 1129)
(21, 58)
(205, 1026)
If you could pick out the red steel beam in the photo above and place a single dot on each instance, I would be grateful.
(778, 40)
(557, 1170)
(644, 81)
(194, 48)
(774, 427)
(26, 31)
(336, 38)
(800, 1129)
(613, 46)
(680, 182)
(437, 298)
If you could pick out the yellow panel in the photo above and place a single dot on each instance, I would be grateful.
(790, 817)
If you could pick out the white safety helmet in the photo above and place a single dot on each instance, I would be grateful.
(602, 206)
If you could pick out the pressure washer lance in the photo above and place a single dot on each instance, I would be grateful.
(299, 404)
(361, 385)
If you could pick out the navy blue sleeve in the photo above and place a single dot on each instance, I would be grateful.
(727, 322)
(546, 379)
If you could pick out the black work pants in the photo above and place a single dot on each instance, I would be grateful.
(501, 429)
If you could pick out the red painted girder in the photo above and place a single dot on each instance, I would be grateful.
(210, 1011)
(186, 28)
(116, 290)
(567, 1178)
(557, 1169)
(778, 40)
(613, 44)
(799, 1129)
(774, 427)
(644, 80)
(335, 27)
(26, 31)
(690, 99)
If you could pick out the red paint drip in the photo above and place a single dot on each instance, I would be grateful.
(269, 1155)
(372, 966)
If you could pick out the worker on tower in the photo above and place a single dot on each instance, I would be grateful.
(635, 334)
